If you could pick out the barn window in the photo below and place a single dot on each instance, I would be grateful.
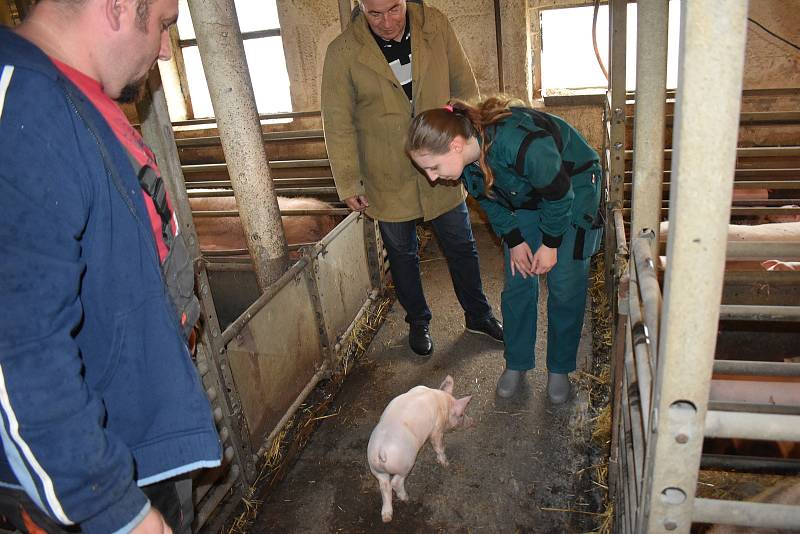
(567, 56)
(261, 32)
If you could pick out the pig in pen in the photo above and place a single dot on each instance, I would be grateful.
(225, 233)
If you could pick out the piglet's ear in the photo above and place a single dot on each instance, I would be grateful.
(460, 406)
(447, 385)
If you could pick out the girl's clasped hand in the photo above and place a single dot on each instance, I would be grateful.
(526, 263)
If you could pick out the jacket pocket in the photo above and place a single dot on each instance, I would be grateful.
(585, 207)
(152, 369)
(587, 242)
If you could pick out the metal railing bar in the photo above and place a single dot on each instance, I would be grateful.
(287, 213)
(745, 514)
(737, 211)
(641, 357)
(751, 407)
(214, 140)
(763, 249)
(261, 116)
(649, 292)
(776, 427)
(286, 191)
(751, 464)
(634, 415)
(755, 368)
(288, 182)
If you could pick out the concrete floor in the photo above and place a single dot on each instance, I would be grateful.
(518, 470)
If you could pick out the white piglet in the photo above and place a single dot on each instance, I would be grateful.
(405, 425)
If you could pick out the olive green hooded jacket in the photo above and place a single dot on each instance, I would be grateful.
(366, 114)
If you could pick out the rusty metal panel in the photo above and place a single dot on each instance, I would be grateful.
(274, 355)
(343, 277)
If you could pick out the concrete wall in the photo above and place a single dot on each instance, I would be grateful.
(473, 23)
(587, 119)
(769, 62)
(308, 26)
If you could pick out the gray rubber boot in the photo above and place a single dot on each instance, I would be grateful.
(558, 387)
(508, 383)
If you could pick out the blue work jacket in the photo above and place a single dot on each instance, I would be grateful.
(98, 392)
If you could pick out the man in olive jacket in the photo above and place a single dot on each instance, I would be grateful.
(371, 89)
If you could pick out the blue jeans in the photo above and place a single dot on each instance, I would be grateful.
(454, 233)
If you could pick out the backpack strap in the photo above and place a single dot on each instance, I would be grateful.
(153, 185)
(519, 164)
(547, 128)
(177, 271)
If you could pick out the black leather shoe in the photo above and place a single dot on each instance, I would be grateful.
(419, 339)
(488, 327)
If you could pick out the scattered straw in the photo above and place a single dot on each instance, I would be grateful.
(591, 376)
(569, 511)
(323, 417)
(601, 474)
(288, 443)
(597, 382)
(606, 521)
(601, 434)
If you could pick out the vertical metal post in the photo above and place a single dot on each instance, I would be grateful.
(711, 64)
(222, 53)
(614, 141)
(648, 123)
(616, 480)
(157, 132)
(617, 34)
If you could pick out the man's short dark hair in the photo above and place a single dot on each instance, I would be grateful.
(143, 14)
(142, 11)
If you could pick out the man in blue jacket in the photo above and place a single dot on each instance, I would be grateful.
(103, 414)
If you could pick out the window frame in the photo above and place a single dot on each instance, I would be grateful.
(584, 95)
(178, 46)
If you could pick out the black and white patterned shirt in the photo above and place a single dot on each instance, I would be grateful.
(398, 55)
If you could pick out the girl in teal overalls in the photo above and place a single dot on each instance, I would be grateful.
(539, 182)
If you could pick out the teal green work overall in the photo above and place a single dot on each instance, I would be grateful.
(546, 190)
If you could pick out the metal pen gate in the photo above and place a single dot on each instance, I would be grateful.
(665, 335)
(258, 369)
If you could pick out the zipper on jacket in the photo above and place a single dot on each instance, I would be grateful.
(111, 173)
(120, 187)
